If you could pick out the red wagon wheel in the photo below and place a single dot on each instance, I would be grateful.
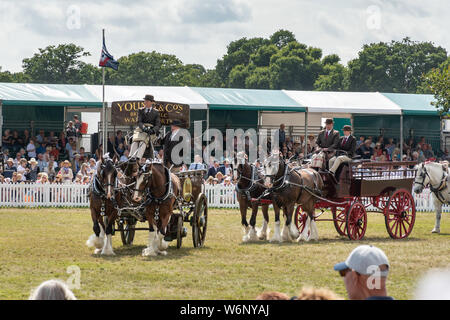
(300, 219)
(340, 219)
(400, 214)
(356, 221)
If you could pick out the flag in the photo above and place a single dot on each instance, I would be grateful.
(107, 60)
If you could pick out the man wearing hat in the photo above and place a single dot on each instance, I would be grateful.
(345, 151)
(365, 272)
(327, 140)
(149, 124)
(170, 140)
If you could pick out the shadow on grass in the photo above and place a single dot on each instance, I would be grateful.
(136, 251)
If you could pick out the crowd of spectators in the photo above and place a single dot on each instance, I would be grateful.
(49, 157)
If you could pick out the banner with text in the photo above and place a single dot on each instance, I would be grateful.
(126, 112)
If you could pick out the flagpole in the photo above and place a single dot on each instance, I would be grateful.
(105, 130)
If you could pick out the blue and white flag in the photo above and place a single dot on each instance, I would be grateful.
(107, 60)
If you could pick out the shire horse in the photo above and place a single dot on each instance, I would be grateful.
(250, 184)
(290, 186)
(435, 175)
(102, 204)
(158, 189)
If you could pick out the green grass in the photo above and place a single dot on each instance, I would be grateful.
(39, 244)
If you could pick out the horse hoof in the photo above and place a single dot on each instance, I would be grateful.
(163, 253)
(436, 231)
(97, 251)
(164, 245)
(275, 239)
(147, 252)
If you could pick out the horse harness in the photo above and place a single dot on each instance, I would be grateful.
(437, 191)
(246, 191)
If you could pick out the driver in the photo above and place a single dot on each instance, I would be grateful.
(327, 140)
(347, 143)
(147, 131)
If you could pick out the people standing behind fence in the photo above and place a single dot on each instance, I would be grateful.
(66, 172)
(9, 168)
(32, 170)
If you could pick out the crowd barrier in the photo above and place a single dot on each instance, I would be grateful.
(75, 195)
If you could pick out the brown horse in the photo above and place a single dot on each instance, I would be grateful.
(290, 186)
(160, 189)
(102, 205)
(250, 184)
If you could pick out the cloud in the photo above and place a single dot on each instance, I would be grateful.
(211, 11)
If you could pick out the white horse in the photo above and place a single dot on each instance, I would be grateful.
(435, 175)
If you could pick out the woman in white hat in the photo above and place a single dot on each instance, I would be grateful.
(32, 171)
(66, 172)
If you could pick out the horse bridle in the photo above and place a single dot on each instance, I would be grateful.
(423, 176)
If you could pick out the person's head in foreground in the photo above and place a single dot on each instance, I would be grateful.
(434, 285)
(365, 272)
(316, 294)
(52, 290)
(272, 295)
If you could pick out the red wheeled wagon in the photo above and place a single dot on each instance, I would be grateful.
(368, 186)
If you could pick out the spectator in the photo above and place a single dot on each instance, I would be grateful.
(71, 131)
(272, 295)
(124, 156)
(40, 136)
(428, 152)
(5, 155)
(46, 155)
(71, 148)
(92, 165)
(41, 147)
(31, 149)
(120, 139)
(66, 172)
(365, 272)
(32, 171)
(9, 168)
(99, 152)
(62, 141)
(365, 151)
(434, 285)
(227, 168)
(52, 290)
(120, 149)
(21, 168)
(281, 135)
(219, 176)
(316, 294)
(17, 159)
(227, 181)
(17, 142)
(390, 146)
(42, 164)
(44, 178)
(360, 142)
(7, 139)
(214, 169)
(197, 164)
(76, 165)
(58, 179)
(55, 152)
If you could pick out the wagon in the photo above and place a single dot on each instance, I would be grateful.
(363, 187)
(191, 207)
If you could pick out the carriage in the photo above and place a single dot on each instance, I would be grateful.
(363, 187)
(192, 207)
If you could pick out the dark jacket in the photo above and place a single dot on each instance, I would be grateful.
(349, 146)
(365, 152)
(151, 117)
(331, 142)
(8, 171)
(168, 146)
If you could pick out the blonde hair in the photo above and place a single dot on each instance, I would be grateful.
(317, 294)
(272, 295)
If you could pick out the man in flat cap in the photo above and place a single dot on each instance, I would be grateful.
(144, 136)
(327, 141)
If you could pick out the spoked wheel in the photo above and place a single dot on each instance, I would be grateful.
(356, 221)
(400, 214)
(179, 231)
(300, 219)
(199, 221)
(127, 231)
(340, 219)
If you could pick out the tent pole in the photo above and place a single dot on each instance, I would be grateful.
(305, 140)
(1, 123)
(401, 136)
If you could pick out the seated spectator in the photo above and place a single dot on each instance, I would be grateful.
(5, 155)
(119, 139)
(19, 178)
(428, 152)
(58, 179)
(86, 180)
(41, 147)
(219, 177)
(9, 168)
(40, 136)
(21, 168)
(390, 146)
(52, 290)
(228, 171)
(124, 156)
(71, 131)
(210, 180)
(365, 151)
(7, 139)
(42, 164)
(31, 149)
(227, 181)
(197, 164)
(66, 172)
(17, 159)
(76, 166)
(365, 273)
(71, 148)
(43, 179)
(360, 142)
(32, 171)
(17, 141)
(434, 285)
(55, 152)
(120, 149)
(214, 169)
(316, 294)
(272, 295)
(92, 165)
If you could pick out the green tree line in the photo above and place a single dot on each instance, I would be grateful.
(277, 62)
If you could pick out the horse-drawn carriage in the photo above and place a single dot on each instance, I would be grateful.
(367, 186)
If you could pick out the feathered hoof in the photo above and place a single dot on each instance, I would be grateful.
(108, 253)
(95, 241)
(263, 235)
(436, 230)
(275, 239)
(163, 245)
(163, 253)
(97, 251)
(149, 252)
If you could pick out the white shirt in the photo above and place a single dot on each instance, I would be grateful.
(31, 149)
(174, 133)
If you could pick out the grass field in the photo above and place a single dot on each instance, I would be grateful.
(39, 244)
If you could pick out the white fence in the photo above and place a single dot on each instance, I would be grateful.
(75, 195)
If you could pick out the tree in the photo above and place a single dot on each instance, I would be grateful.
(334, 75)
(5, 76)
(56, 64)
(282, 37)
(438, 81)
(397, 66)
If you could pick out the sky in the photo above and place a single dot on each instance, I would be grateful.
(198, 31)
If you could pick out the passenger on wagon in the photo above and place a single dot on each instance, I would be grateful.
(328, 141)
(347, 144)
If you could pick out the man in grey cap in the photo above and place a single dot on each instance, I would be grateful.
(365, 272)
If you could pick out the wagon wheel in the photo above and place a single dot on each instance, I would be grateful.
(199, 221)
(400, 214)
(300, 219)
(127, 231)
(340, 219)
(179, 231)
(356, 221)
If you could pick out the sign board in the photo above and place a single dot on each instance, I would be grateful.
(126, 112)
